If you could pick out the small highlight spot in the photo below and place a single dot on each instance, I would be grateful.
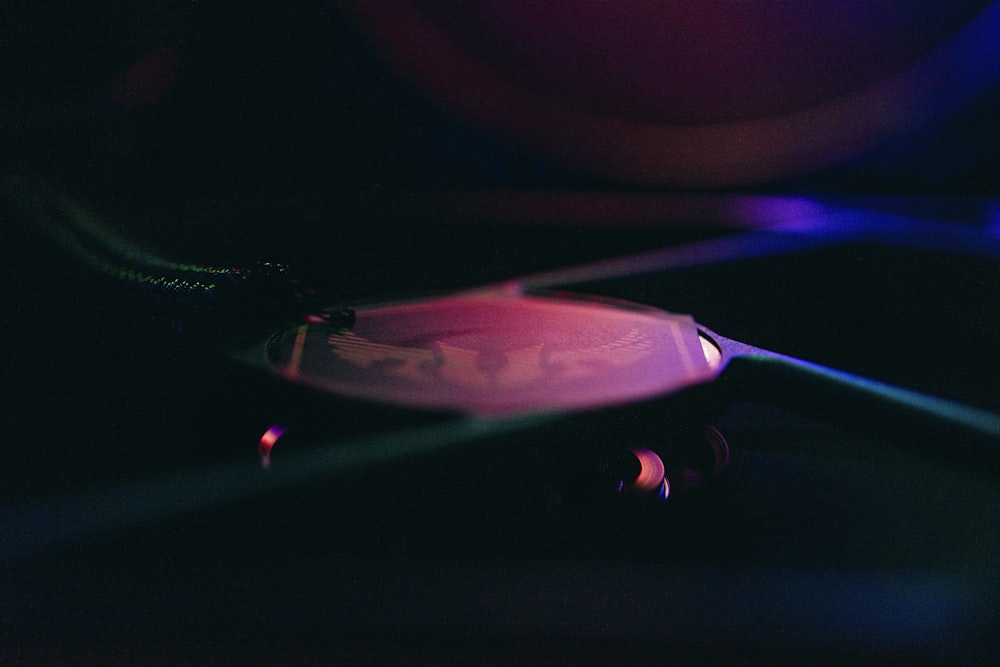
(267, 442)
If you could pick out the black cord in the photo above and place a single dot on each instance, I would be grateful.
(215, 303)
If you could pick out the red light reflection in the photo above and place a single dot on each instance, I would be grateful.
(652, 474)
(267, 442)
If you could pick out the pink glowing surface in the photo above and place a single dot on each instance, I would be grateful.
(267, 442)
(651, 472)
(496, 354)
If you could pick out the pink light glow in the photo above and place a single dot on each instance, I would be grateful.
(267, 442)
(693, 93)
(495, 353)
(652, 473)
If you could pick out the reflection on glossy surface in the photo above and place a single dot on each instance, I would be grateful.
(267, 442)
(498, 353)
(652, 474)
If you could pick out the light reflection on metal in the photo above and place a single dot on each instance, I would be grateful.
(497, 353)
(784, 225)
(651, 471)
(267, 442)
(713, 355)
(690, 460)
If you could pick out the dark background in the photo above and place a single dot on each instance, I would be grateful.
(229, 134)
(183, 98)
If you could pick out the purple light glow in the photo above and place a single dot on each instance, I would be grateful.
(689, 94)
(652, 473)
(500, 353)
(685, 62)
(267, 442)
(993, 225)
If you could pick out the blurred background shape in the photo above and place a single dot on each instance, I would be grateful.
(872, 97)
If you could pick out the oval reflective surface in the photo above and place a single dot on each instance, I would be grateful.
(496, 353)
